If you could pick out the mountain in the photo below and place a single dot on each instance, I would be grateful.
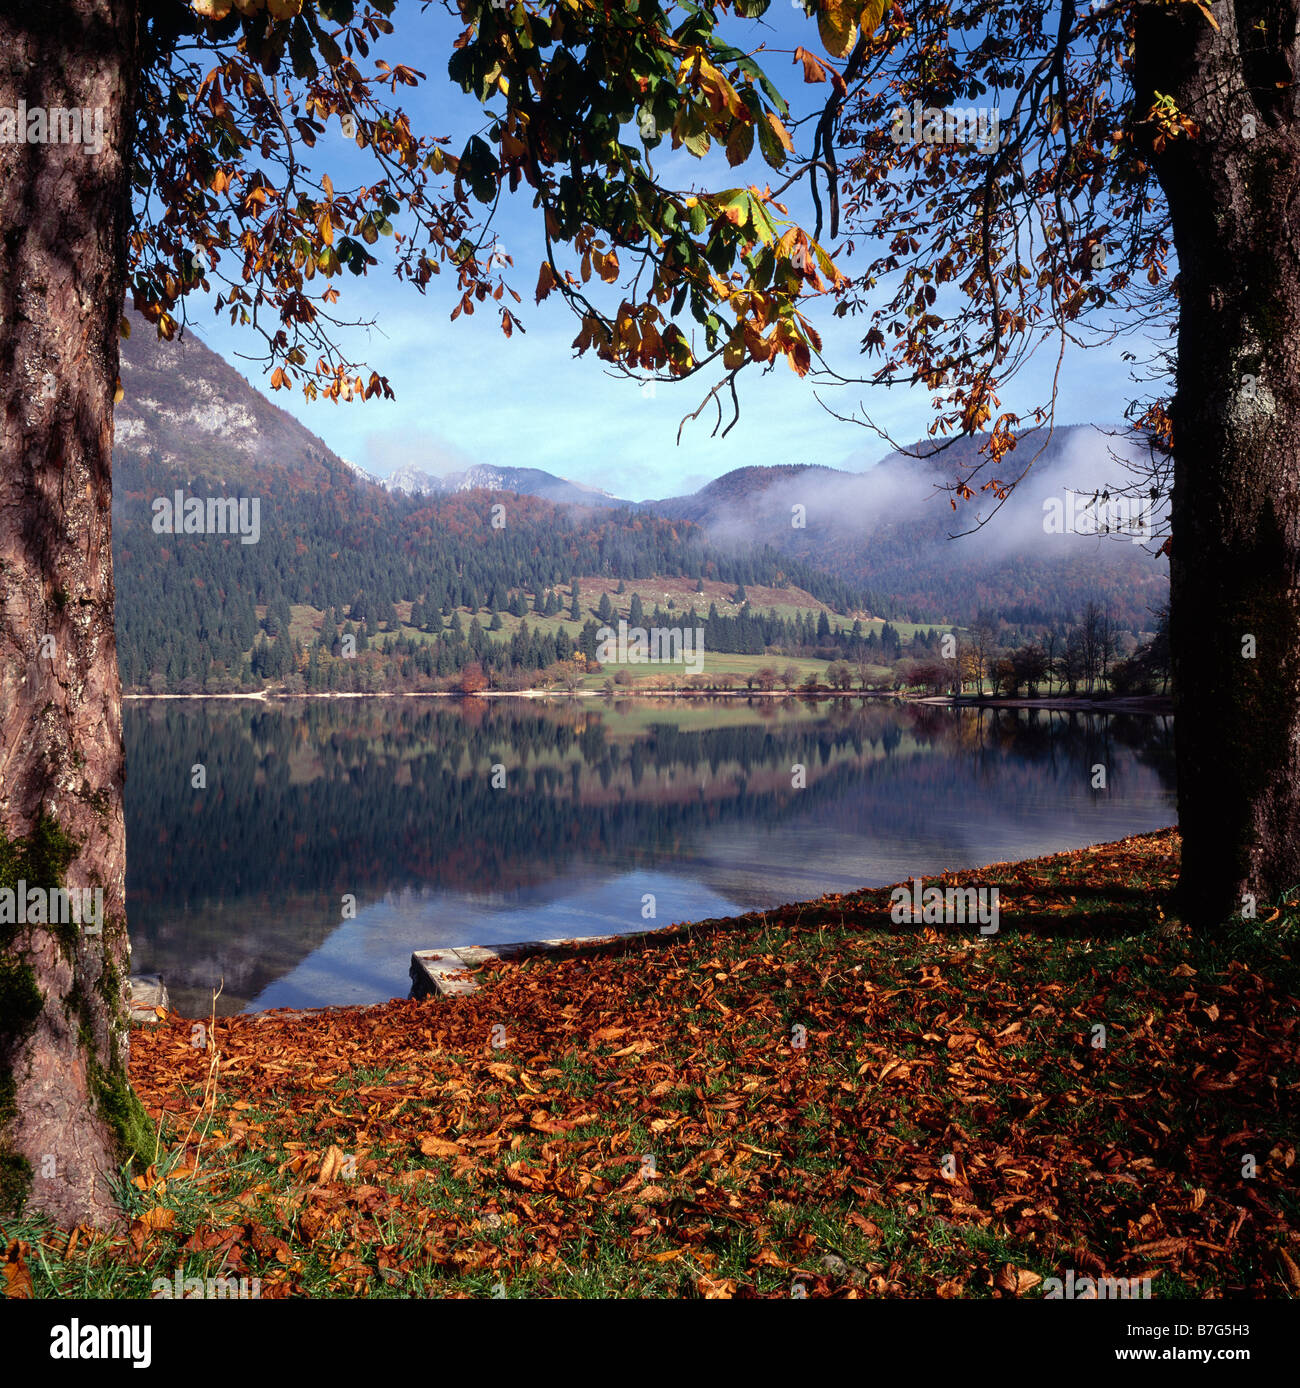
(186, 408)
(892, 530)
(881, 539)
(745, 488)
(276, 541)
(526, 481)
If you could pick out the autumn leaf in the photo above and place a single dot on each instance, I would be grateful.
(1016, 1281)
(542, 1122)
(440, 1147)
(871, 14)
(157, 1218)
(608, 1033)
(837, 24)
(768, 1258)
(17, 1275)
(813, 71)
(950, 1038)
(781, 133)
(546, 280)
(716, 1288)
(330, 1166)
(740, 143)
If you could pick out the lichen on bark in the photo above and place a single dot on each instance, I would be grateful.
(41, 860)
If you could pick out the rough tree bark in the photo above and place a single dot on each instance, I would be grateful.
(1235, 563)
(67, 1113)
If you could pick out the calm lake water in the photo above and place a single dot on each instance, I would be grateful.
(393, 803)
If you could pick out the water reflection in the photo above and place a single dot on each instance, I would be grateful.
(598, 808)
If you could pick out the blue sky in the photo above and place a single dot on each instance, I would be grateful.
(466, 394)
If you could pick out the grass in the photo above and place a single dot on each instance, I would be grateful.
(812, 1096)
(305, 623)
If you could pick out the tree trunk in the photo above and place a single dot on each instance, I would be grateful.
(1235, 564)
(67, 1114)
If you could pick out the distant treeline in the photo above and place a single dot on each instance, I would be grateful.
(186, 603)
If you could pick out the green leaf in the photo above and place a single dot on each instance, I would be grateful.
(300, 50)
(698, 144)
(740, 145)
(770, 144)
(761, 222)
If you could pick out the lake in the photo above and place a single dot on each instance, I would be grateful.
(333, 838)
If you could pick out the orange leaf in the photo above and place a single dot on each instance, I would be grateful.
(17, 1277)
(716, 1288)
(1016, 1281)
(157, 1218)
(813, 71)
(440, 1147)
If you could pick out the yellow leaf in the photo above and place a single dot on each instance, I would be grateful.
(838, 26)
(871, 15)
(780, 131)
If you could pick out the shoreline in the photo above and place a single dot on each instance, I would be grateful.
(1062, 703)
(997, 1030)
